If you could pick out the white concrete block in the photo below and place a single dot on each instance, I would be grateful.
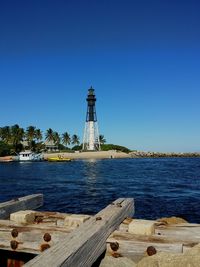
(75, 220)
(23, 216)
(141, 227)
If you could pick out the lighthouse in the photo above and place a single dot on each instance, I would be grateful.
(91, 133)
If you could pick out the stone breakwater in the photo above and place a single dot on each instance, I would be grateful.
(141, 154)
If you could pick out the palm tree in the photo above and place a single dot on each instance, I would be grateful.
(66, 139)
(102, 139)
(39, 147)
(38, 134)
(75, 139)
(5, 134)
(30, 133)
(49, 136)
(17, 135)
(56, 138)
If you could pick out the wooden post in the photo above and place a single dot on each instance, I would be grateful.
(84, 245)
(22, 203)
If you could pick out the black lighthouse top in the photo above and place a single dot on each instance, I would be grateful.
(91, 99)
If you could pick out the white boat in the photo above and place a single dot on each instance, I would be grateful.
(29, 156)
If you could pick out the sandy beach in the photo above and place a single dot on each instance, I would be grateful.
(90, 155)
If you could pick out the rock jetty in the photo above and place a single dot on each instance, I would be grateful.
(142, 154)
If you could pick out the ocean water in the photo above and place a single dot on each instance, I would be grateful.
(161, 187)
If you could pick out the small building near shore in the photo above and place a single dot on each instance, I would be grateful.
(50, 146)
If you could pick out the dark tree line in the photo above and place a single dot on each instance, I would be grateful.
(15, 139)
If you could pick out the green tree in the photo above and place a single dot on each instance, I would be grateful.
(75, 139)
(38, 135)
(17, 135)
(5, 149)
(13, 136)
(30, 136)
(39, 147)
(102, 139)
(56, 138)
(32, 145)
(30, 133)
(107, 147)
(77, 147)
(66, 139)
(49, 136)
(5, 134)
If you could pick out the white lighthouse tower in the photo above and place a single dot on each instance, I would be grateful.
(91, 134)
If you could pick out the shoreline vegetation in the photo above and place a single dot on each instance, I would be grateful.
(14, 139)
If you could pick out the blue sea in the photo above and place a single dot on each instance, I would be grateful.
(161, 187)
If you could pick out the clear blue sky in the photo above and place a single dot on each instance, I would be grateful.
(141, 56)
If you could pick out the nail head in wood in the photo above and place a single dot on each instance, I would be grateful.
(13, 244)
(14, 233)
(151, 251)
(114, 246)
(47, 237)
(43, 247)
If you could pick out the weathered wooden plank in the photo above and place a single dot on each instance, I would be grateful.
(25, 247)
(180, 225)
(23, 203)
(187, 234)
(181, 238)
(32, 228)
(30, 241)
(124, 244)
(7, 226)
(30, 236)
(85, 244)
(135, 249)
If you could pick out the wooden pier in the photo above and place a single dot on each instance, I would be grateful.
(34, 238)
